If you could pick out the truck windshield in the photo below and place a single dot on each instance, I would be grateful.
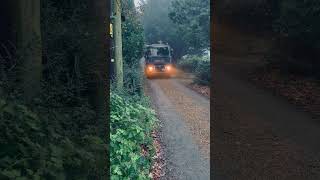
(158, 52)
(158, 59)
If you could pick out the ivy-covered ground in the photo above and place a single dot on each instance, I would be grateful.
(131, 142)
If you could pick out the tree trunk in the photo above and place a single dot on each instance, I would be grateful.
(118, 44)
(8, 41)
(97, 56)
(29, 47)
(20, 28)
(95, 68)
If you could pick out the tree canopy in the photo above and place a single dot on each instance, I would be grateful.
(166, 20)
(193, 20)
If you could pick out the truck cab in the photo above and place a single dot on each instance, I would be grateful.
(158, 60)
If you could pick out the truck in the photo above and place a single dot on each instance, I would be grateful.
(158, 60)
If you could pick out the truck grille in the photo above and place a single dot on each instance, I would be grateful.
(160, 67)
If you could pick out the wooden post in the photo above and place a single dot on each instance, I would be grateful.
(118, 44)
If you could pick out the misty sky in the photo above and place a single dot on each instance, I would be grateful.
(136, 2)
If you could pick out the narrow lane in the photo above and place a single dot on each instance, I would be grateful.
(260, 136)
(185, 129)
(257, 136)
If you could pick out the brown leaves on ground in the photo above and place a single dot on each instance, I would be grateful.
(204, 90)
(196, 115)
(301, 91)
(188, 80)
(158, 166)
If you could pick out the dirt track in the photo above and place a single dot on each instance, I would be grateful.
(185, 129)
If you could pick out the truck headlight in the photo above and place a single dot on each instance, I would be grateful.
(150, 68)
(168, 67)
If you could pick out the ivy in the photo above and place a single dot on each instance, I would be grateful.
(131, 125)
(36, 146)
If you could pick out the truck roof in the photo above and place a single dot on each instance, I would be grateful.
(157, 45)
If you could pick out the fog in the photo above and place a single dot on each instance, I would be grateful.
(166, 21)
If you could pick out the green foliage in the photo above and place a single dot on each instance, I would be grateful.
(56, 135)
(131, 121)
(299, 28)
(198, 65)
(203, 72)
(41, 145)
(133, 43)
(158, 26)
(190, 63)
(131, 126)
(193, 20)
(132, 33)
(184, 24)
(133, 81)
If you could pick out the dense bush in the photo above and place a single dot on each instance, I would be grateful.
(203, 72)
(190, 63)
(133, 79)
(298, 26)
(199, 65)
(133, 43)
(132, 33)
(37, 144)
(131, 126)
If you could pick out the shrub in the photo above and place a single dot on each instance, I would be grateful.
(133, 79)
(130, 130)
(202, 72)
(189, 64)
(298, 26)
(37, 146)
(198, 65)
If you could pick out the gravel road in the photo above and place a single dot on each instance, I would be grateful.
(258, 135)
(184, 131)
